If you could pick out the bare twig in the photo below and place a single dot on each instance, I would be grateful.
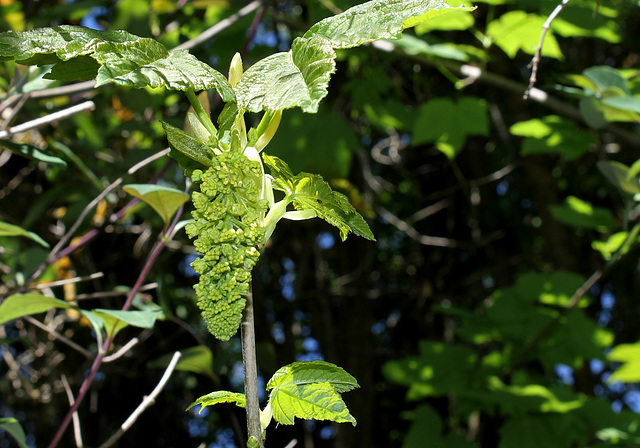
(67, 281)
(59, 337)
(76, 420)
(103, 295)
(125, 348)
(413, 233)
(535, 62)
(38, 122)
(291, 444)
(222, 25)
(147, 401)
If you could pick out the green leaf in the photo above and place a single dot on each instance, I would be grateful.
(19, 305)
(164, 200)
(311, 192)
(609, 247)
(7, 229)
(310, 372)
(13, 427)
(517, 30)
(581, 214)
(439, 369)
(544, 430)
(198, 359)
(185, 144)
(447, 123)
(300, 76)
(218, 397)
(79, 53)
(32, 152)
(116, 320)
(618, 174)
(310, 390)
(626, 103)
(628, 355)
(603, 77)
(553, 134)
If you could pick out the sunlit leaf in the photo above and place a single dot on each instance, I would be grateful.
(79, 53)
(518, 31)
(164, 200)
(553, 134)
(300, 77)
(628, 355)
(7, 229)
(20, 305)
(310, 390)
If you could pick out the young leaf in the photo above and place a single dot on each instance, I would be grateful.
(79, 53)
(32, 152)
(218, 397)
(311, 192)
(188, 151)
(13, 427)
(19, 305)
(164, 200)
(300, 77)
(310, 390)
(581, 214)
(7, 229)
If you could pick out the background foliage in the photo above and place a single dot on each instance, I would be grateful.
(461, 324)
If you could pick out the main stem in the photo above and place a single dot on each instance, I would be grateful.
(250, 371)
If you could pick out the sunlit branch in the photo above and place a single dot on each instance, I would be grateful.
(55, 116)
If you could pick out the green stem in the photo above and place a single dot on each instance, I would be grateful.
(202, 114)
(251, 372)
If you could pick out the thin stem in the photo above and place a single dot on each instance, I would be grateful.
(147, 401)
(251, 371)
(202, 114)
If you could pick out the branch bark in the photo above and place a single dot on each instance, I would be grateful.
(251, 371)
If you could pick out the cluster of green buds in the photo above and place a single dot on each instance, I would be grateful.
(231, 198)
(228, 228)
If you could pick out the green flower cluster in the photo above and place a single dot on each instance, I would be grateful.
(229, 230)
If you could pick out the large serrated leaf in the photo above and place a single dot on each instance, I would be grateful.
(219, 397)
(79, 53)
(300, 77)
(309, 372)
(380, 19)
(310, 390)
(317, 401)
(20, 305)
